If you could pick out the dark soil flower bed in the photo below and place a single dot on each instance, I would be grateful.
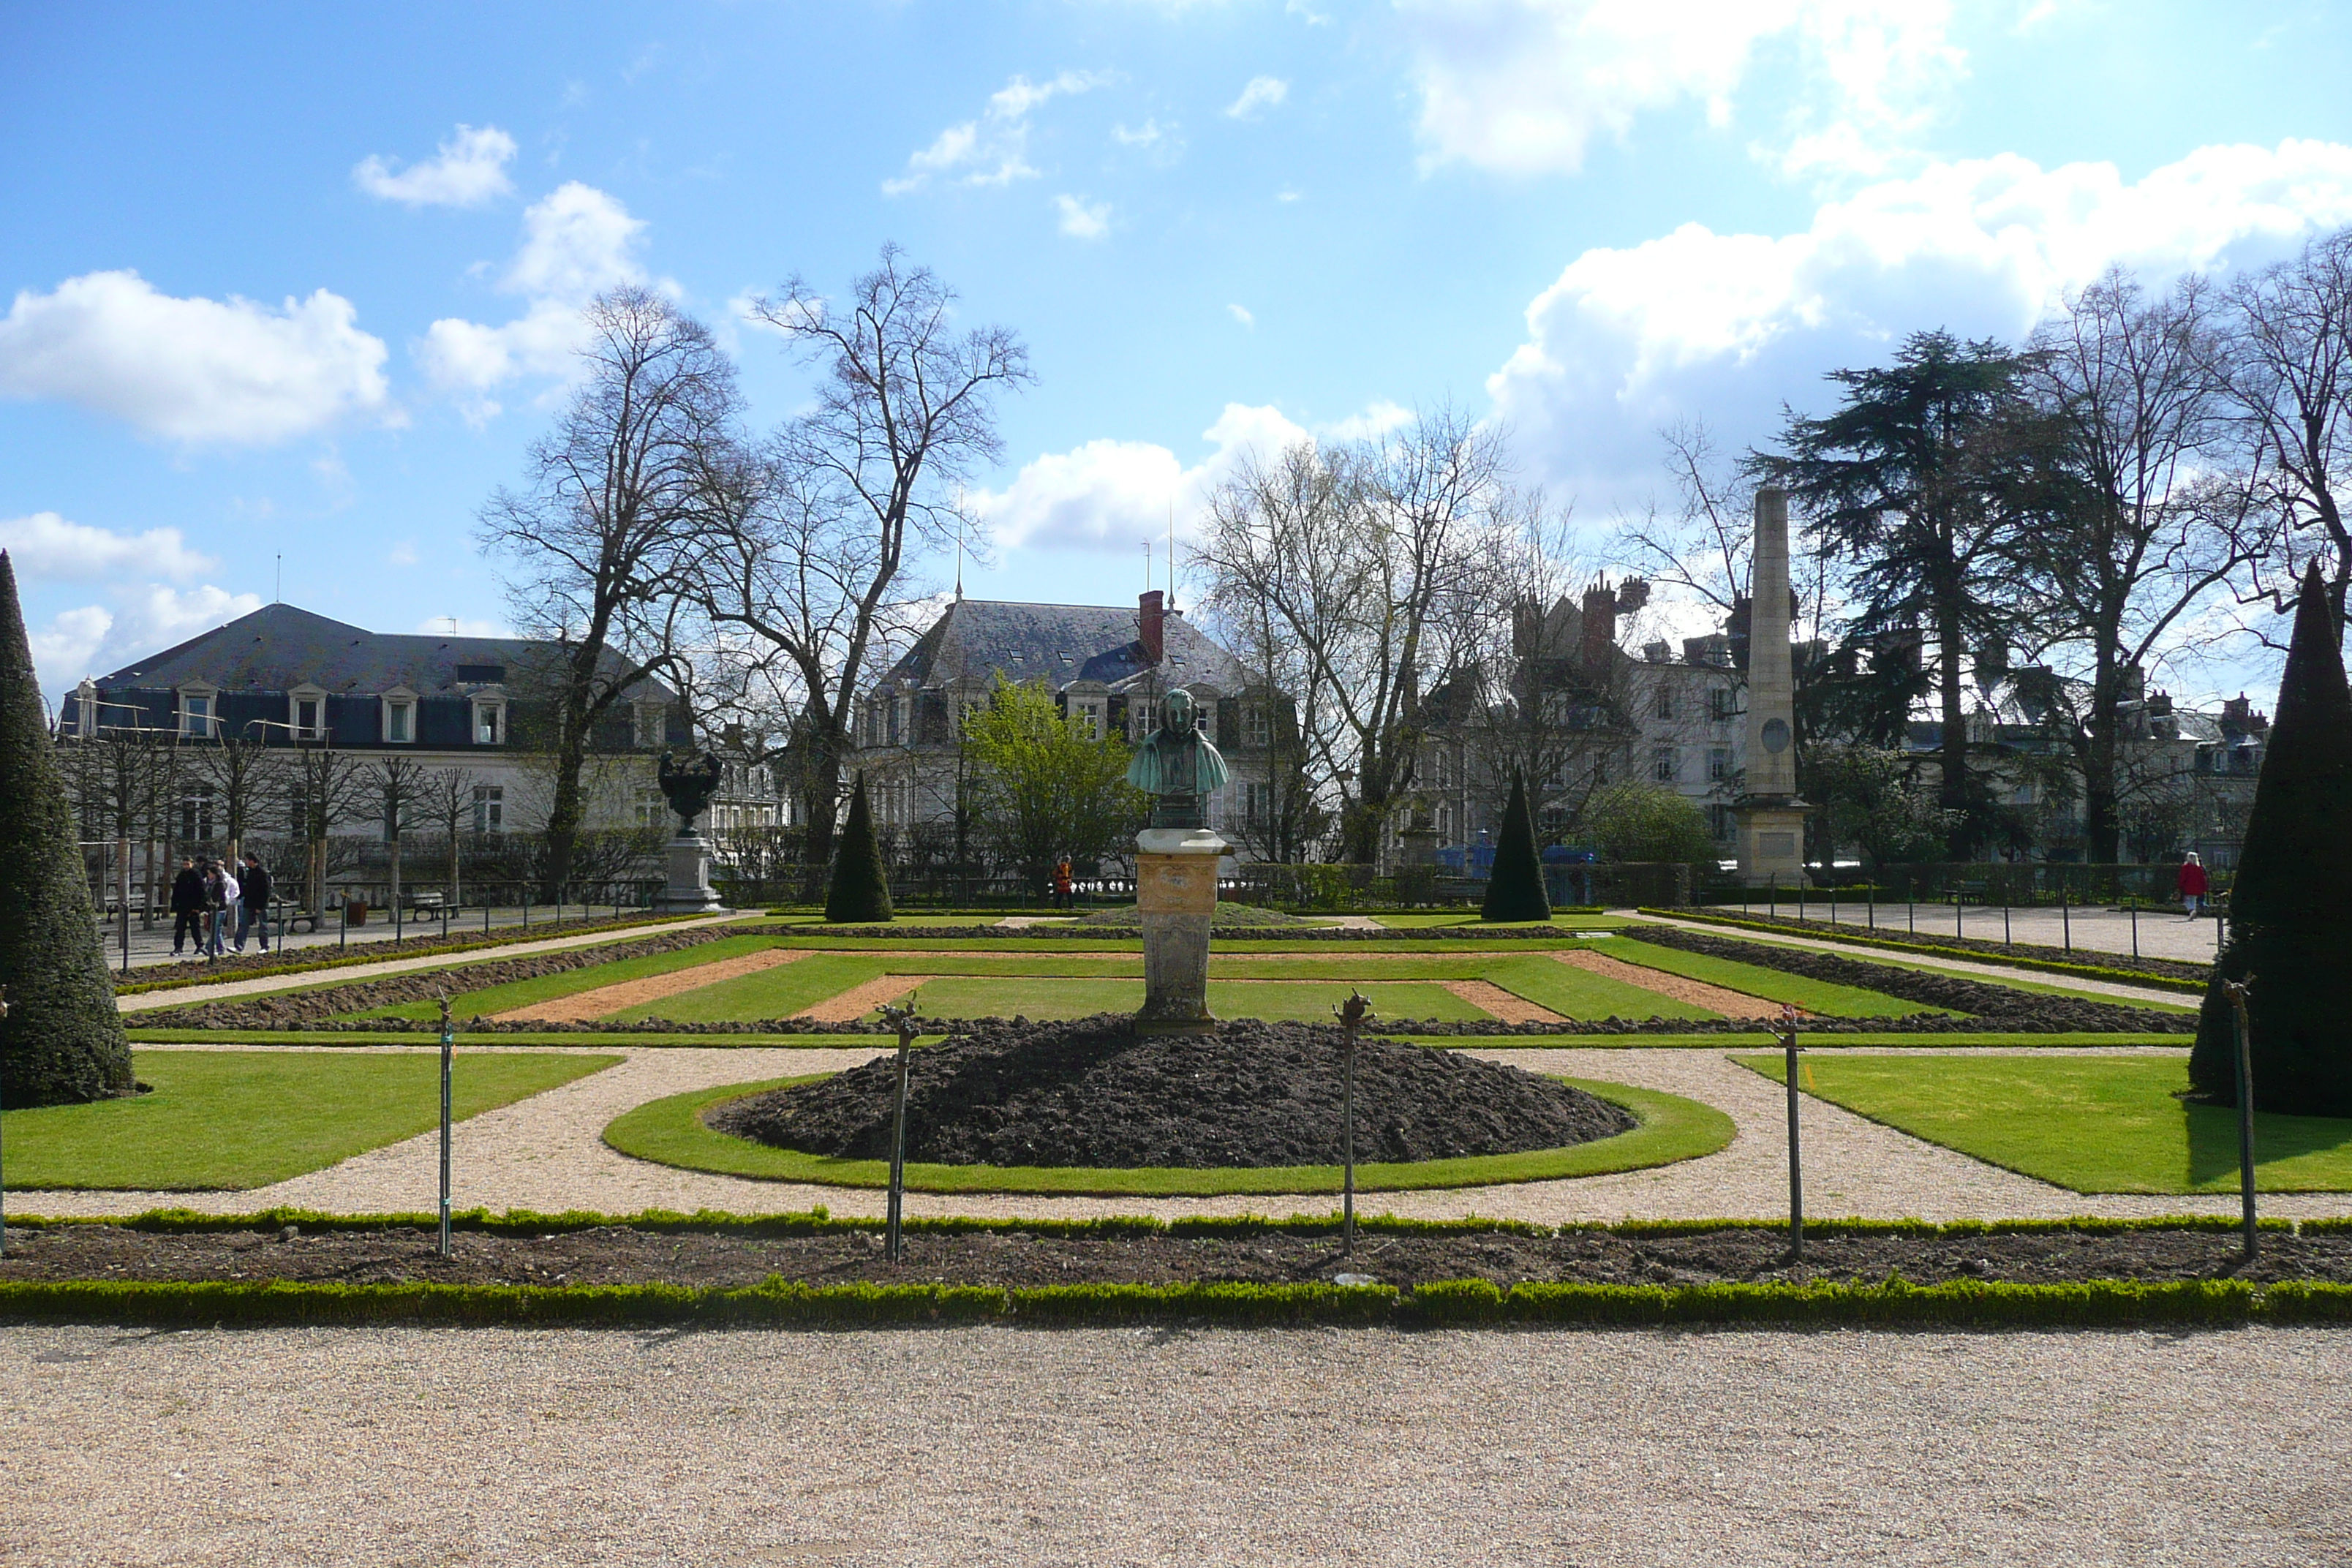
(1093, 1092)
(302, 960)
(619, 1254)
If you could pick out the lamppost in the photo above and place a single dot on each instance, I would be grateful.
(1785, 1026)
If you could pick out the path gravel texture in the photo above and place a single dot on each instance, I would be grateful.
(1721, 999)
(546, 1154)
(582, 1006)
(1003, 1446)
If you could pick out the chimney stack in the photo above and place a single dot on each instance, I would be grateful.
(1598, 638)
(1152, 618)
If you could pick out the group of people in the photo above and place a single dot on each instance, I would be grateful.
(214, 904)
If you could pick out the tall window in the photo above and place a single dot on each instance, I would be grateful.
(489, 723)
(1257, 803)
(1257, 729)
(399, 722)
(1666, 708)
(1665, 766)
(1718, 763)
(1142, 717)
(1719, 822)
(307, 719)
(1722, 703)
(196, 717)
(490, 808)
(651, 729)
(1088, 713)
(196, 814)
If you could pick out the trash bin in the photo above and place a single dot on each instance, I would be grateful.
(355, 911)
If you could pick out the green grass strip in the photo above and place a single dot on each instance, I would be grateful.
(670, 1132)
(1456, 1304)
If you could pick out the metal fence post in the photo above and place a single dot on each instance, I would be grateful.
(1786, 1029)
(903, 1019)
(2236, 991)
(4, 1152)
(2065, 915)
(1351, 1015)
(448, 1045)
(2135, 924)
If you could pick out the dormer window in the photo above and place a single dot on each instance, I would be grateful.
(197, 715)
(306, 713)
(651, 727)
(399, 717)
(489, 721)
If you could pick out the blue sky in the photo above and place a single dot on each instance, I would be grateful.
(299, 280)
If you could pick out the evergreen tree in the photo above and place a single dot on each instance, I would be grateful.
(2290, 927)
(1516, 889)
(861, 883)
(62, 1042)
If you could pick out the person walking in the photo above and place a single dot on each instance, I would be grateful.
(221, 893)
(1062, 884)
(187, 907)
(253, 907)
(2192, 884)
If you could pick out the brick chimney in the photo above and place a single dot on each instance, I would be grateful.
(1152, 618)
(1598, 638)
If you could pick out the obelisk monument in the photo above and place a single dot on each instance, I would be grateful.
(1771, 818)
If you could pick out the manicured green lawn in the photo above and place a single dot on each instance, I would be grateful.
(777, 992)
(245, 1119)
(1773, 985)
(670, 1132)
(1575, 992)
(1424, 920)
(970, 997)
(2097, 1124)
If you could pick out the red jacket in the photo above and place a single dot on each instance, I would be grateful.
(2193, 881)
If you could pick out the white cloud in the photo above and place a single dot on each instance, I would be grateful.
(1263, 93)
(1727, 325)
(992, 150)
(470, 169)
(1082, 219)
(1241, 313)
(195, 370)
(148, 618)
(45, 547)
(577, 240)
(1526, 86)
(461, 627)
(404, 553)
(1107, 495)
(1147, 134)
(1375, 421)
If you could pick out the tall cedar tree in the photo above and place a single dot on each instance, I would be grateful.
(1516, 889)
(62, 1042)
(1919, 482)
(2289, 925)
(861, 882)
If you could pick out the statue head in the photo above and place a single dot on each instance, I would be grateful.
(1180, 712)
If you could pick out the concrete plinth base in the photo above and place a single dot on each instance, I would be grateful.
(1176, 896)
(688, 890)
(1771, 842)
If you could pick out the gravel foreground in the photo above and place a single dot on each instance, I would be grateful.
(1000, 1447)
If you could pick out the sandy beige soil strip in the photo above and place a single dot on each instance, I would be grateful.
(859, 1000)
(582, 1006)
(1492, 998)
(1697, 992)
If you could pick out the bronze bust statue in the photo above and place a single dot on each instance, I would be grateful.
(1178, 766)
(689, 780)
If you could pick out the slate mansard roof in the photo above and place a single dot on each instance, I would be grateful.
(279, 648)
(975, 640)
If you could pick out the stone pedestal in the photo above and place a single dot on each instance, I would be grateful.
(1772, 843)
(1176, 895)
(689, 888)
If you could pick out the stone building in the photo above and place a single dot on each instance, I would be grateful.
(1108, 665)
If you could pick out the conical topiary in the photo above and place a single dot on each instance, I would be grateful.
(2290, 924)
(1515, 890)
(62, 1042)
(861, 883)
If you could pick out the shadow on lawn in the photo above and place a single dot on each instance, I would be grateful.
(2212, 1133)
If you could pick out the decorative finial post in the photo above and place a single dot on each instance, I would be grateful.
(902, 1019)
(2236, 991)
(1351, 1015)
(1785, 1026)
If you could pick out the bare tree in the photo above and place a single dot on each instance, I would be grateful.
(2141, 528)
(324, 789)
(1363, 559)
(401, 787)
(243, 774)
(447, 800)
(1699, 544)
(809, 578)
(619, 493)
(2288, 370)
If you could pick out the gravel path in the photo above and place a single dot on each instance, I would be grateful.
(191, 995)
(1496, 1002)
(545, 1154)
(2003, 971)
(582, 1006)
(844, 1006)
(1001, 1446)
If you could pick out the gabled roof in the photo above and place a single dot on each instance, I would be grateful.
(975, 640)
(280, 647)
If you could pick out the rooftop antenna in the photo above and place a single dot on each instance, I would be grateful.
(959, 558)
(278, 595)
(1172, 557)
(1147, 566)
